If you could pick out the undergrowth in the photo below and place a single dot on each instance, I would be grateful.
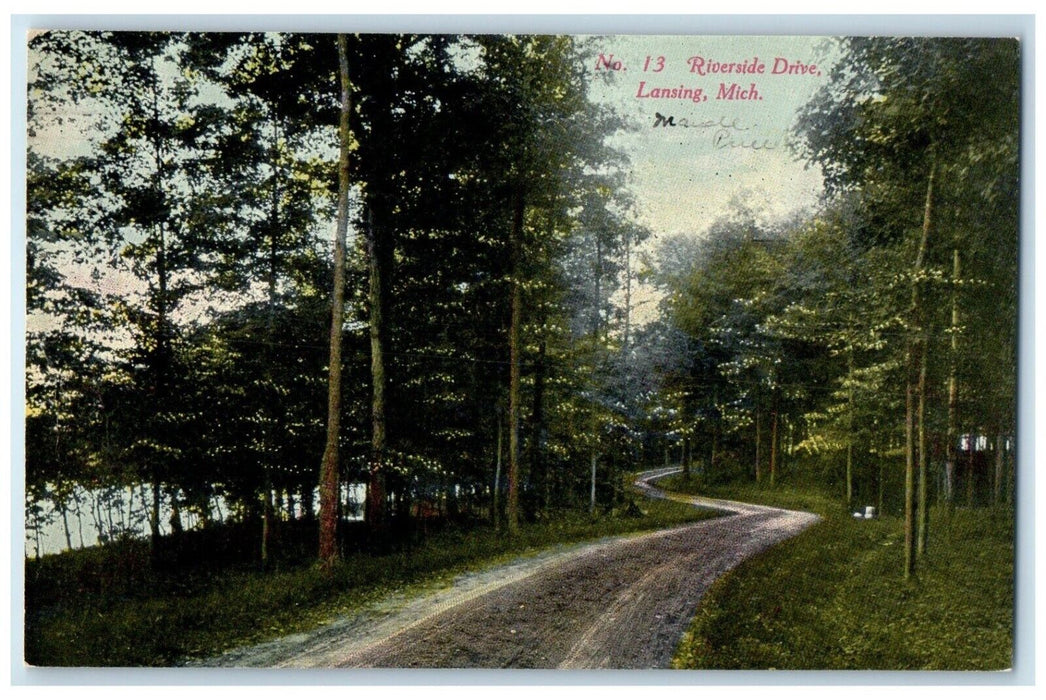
(834, 597)
(107, 607)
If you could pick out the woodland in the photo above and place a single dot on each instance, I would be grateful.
(295, 296)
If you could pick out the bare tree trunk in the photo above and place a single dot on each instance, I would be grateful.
(997, 491)
(329, 477)
(758, 445)
(1011, 470)
(597, 320)
(79, 517)
(628, 289)
(130, 507)
(538, 463)
(266, 524)
(37, 525)
(592, 497)
(882, 473)
(268, 410)
(916, 384)
(176, 513)
(971, 445)
(849, 428)
(773, 446)
(375, 508)
(923, 508)
(65, 526)
(96, 517)
(494, 515)
(909, 481)
(515, 358)
(686, 457)
(953, 389)
(154, 517)
(109, 512)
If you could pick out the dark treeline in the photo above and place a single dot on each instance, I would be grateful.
(180, 277)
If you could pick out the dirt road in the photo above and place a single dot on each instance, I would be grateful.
(620, 603)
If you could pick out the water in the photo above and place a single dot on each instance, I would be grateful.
(99, 515)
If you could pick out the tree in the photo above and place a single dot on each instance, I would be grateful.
(894, 108)
(329, 485)
(147, 210)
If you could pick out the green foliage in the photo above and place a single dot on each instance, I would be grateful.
(831, 599)
(811, 329)
(177, 290)
(106, 607)
(183, 258)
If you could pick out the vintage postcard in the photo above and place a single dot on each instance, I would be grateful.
(545, 351)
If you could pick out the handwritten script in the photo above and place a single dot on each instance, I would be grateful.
(727, 134)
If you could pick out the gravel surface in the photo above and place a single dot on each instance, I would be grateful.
(619, 603)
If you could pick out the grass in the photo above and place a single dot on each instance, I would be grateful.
(834, 597)
(105, 608)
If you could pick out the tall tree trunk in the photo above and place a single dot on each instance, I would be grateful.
(882, 473)
(176, 511)
(909, 481)
(1011, 470)
(154, 516)
(329, 477)
(65, 525)
(268, 406)
(773, 446)
(96, 516)
(495, 516)
(537, 422)
(266, 523)
(515, 358)
(597, 306)
(849, 428)
(130, 506)
(923, 507)
(628, 291)
(161, 357)
(686, 457)
(923, 512)
(592, 495)
(714, 456)
(375, 499)
(758, 445)
(997, 491)
(79, 517)
(917, 385)
(971, 444)
(951, 454)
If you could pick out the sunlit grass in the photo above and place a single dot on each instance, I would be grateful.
(835, 598)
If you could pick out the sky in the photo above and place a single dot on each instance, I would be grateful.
(684, 178)
(720, 150)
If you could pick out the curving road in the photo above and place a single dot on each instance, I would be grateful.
(620, 603)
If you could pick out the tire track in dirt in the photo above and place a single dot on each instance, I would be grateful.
(619, 603)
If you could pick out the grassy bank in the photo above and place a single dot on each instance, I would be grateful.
(834, 597)
(105, 608)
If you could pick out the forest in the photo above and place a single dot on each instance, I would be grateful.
(294, 296)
